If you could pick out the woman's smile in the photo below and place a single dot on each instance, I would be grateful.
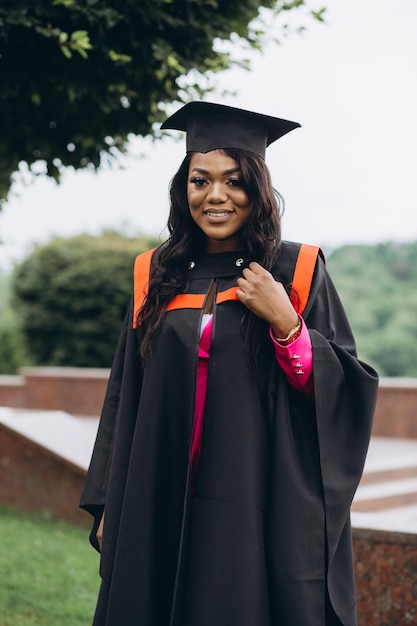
(217, 216)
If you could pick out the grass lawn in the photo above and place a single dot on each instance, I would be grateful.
(49, 572)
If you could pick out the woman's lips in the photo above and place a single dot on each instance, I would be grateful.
(217, 216)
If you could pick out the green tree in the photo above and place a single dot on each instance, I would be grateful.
(72, 295)
(78, 76)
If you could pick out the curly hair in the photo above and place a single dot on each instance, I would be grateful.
(261, 237)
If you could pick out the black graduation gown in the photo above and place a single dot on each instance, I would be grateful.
(267, 540)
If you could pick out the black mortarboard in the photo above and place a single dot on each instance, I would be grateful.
(213, 126)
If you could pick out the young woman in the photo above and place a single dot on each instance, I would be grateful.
(237, 417)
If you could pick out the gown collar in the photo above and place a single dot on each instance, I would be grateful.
(213, 265)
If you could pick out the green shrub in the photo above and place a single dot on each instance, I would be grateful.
(73, 294)
(11, 349)
(12, 354)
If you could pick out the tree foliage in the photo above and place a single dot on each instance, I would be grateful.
(378, 286)
(78, 76)
(72, 295)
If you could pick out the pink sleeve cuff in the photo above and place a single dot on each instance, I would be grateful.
(296, 360)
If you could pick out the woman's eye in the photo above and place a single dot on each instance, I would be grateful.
(199, 181)
(235, 182)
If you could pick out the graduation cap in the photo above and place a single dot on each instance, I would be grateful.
(212, 126)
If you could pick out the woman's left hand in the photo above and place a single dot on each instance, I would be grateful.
(265, 297)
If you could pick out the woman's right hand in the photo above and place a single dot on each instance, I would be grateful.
(265, 297)
(99, 533)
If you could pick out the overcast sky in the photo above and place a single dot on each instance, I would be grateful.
(349, 175)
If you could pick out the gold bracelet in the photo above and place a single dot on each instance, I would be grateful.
(292, 335)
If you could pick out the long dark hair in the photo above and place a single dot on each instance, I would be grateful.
(261, 237)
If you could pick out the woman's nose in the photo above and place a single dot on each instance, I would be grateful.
(217, 192)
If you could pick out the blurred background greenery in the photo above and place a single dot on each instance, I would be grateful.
(63, 305)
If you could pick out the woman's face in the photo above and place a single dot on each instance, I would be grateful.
(218, 203)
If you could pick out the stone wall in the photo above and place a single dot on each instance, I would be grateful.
(386, 577)
(396, 410)
(35, 480)
(80, 391)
